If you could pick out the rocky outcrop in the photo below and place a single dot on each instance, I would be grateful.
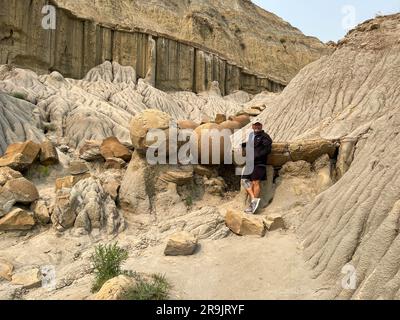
(258, 40)
(353, 96)
(86, 207)
(167, 62)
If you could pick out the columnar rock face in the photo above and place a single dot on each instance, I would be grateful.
(168, 63)
(352, 95)
(239, 30)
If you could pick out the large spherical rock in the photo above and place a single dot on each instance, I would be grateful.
(142, 123)
(213, 134)
(231, 125)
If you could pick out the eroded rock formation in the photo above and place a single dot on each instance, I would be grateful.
(352, 95)
(150, 43)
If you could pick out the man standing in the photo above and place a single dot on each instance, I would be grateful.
(262, 148)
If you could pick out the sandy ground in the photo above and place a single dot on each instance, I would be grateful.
(232, 268)
(235, 268)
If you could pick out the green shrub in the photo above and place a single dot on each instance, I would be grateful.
(155, 289)
(107, 261)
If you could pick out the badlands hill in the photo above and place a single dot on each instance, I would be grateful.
(352, 95)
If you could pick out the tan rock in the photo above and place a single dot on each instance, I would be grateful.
(41, 212)
(231, 125)
(48, 154)
(7, 201)
(78, 167)
(114, 163)
(274, 222)
(311, 150)
(181, 244)
(111, 187)
(215, 186)
(206, 171)
(180, 177)
(220, 118)
(245, 225)
(279, 155)
(17, 219)
(63, 216)
(187, 124)
(90, 151)
(23, 190)
(260, 107)
(252, 112)
(28, 279)
(116, 288)
(205, 134)
(242, 119)
(113, 148)
(19, 156)
(142, 123)
(70, 181)
(6, 269)
(7, 173)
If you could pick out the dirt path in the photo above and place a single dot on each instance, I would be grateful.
(235, 268)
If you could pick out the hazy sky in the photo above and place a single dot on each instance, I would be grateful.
(328, 19)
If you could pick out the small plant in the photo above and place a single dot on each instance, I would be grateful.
(189, 201)
(19, 95)
(44, 171)
(155, 289)
(107, 261)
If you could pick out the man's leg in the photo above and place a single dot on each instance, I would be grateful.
(248, 186)
(256, 189)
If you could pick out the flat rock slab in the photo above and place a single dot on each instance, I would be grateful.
(181, 244)
(244, 224)
(16, 220)
(113, 148)
(20, 156)
(29, 279)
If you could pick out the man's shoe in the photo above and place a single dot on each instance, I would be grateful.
(255, 203)
(249, 210)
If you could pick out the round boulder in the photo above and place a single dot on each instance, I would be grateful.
(144, 122)
(217, 139)
(23, 190)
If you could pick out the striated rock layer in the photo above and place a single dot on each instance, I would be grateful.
(90, 32)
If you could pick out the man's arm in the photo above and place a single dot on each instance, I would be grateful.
(264, 148)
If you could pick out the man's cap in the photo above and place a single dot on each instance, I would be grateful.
(257, 123)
